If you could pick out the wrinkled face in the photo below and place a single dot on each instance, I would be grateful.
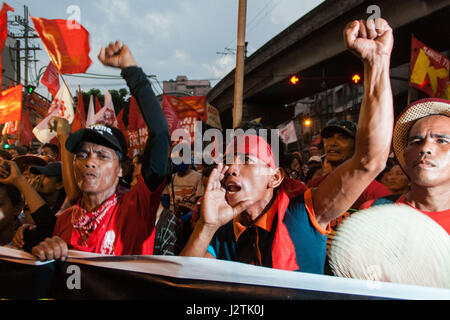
(97, 168)
(396, 179)
(339, 147)
(427, 154)
(246, 179)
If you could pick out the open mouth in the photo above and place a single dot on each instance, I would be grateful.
(232, 187)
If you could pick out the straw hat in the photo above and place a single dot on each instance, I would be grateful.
(415, 111)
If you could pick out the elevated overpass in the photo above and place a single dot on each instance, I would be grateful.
(313, 48)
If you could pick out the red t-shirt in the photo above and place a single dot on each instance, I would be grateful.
(127, 227)
(374, 190)
(441, 217)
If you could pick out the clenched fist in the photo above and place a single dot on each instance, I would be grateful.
(369, 40)
(116, 55)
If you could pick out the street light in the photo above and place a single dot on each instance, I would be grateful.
(307, 122)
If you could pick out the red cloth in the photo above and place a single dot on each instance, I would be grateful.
(252, 145)
(171, 116)
(374, 190)
(50, 79)
(127, 228)
(98, 106)
(26, 129)
(3, 29)
(11, 104)
(283, 249)
(79, 121)
(121, 125)
(67, 46)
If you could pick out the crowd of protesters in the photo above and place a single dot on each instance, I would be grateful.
(83, 193)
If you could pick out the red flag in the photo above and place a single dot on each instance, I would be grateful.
(50, 79)
(79, 121)
(26, 129)
(171, 116)
(135, 120)
(98, 106)
(11, 104)
(3, 29)
(67, 45)
(121, 125)
(137, 129)
(429, 70)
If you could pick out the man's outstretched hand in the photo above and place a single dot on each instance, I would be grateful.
(116, 55)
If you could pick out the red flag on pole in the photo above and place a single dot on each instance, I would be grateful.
(121, 124)
(171, 116)
(11, 104)
(135, 120)
(3, 30)
(429, 70)
(67, 45)
(26, 129)
(79, 121)
(98, 106)
(137, 129)
(50, 79)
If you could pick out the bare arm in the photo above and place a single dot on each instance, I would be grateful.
(63, 130)
(345, 184)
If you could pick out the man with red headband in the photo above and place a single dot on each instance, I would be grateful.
(246, 214)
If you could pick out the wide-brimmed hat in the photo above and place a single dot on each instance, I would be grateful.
(30, 160)
(415, 111)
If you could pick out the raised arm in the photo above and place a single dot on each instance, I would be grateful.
(372, 42)
(63, 130)
(155, 160)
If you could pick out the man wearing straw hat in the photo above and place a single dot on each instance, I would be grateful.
(421, 144)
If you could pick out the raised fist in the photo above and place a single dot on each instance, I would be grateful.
(116, 55)
(369, 40)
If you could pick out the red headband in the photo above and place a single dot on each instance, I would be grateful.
(253, 145)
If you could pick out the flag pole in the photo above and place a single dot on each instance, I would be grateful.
(239, 71)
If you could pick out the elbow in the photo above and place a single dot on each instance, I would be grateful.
(374, 164)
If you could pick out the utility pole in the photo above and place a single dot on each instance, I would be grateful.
(26, 35)
(239, 71)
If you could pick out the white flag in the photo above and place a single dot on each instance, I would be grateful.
(288, 134)
(90, 119)
(107, 115)
(61, 106)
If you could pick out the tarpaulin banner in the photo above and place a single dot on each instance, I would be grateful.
(38, 104)
(429, 70)
(188, 110)
(94, 276)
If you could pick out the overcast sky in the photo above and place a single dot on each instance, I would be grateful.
(167, 37)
